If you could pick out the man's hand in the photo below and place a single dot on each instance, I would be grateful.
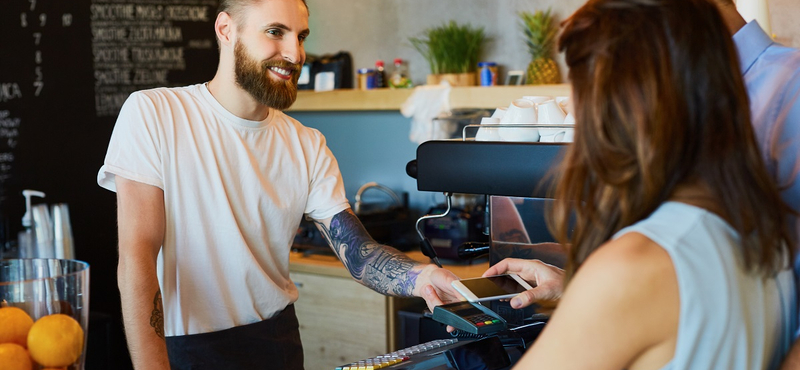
(434, 286)
(547, 280)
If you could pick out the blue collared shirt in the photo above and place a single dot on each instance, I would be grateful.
(772, 75)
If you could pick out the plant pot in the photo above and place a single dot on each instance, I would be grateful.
(455, 79)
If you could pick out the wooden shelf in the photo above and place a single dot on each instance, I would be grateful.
(388, 99)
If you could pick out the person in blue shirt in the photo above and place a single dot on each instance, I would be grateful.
(772, 76)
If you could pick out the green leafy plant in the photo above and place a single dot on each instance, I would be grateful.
(540, 36)
(451, 48)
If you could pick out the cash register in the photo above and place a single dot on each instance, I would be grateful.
(516, 178)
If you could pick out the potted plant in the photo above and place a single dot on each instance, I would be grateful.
(452, 51)
(540, 36)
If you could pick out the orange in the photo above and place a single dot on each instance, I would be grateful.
(14, 325)
(55, 341)
(14, 357)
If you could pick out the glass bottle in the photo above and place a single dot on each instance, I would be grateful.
(399, 78)
(380, 75)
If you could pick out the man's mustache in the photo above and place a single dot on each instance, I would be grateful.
(294, 68)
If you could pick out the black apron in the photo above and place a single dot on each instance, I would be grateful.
(269, 344)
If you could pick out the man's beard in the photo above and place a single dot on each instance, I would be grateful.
(256, 81)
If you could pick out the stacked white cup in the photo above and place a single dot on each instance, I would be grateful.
(521, 111)
(530, 110)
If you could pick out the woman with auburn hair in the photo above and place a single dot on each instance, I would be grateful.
(680, 256)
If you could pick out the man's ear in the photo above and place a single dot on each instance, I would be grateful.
(224, 27)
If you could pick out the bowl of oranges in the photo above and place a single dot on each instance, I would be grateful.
(44, 314)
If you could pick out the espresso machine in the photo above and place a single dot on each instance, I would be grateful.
(516, 178)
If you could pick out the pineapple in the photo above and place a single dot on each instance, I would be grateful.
(540, 36)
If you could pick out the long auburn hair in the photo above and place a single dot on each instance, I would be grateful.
(659, 102)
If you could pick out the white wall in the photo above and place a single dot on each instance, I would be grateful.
(379, 29)
(785, 20)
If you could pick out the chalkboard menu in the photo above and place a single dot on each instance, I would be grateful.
(137, 44)
(66, 67)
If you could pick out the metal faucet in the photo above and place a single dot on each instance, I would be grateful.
(370, 185)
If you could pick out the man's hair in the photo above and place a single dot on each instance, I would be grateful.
(660, 102)
(234, 8)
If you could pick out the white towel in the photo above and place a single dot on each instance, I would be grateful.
(425, 104)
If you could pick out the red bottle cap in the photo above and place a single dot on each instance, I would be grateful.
(379, 63)
(398, 61)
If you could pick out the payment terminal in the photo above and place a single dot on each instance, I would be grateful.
(470, 317)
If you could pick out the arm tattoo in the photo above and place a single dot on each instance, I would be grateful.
(157, 316)
(382, 268)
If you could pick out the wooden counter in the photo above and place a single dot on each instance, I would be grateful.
(343, 321)
(393, 99)
(331, 266)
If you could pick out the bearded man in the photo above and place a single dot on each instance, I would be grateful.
(212, 181)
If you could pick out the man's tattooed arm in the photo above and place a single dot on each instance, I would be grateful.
(379, 267)
(157, 316)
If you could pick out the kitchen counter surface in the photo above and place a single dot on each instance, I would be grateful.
(389, 99)
(331, 266)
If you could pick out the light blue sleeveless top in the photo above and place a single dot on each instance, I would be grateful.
(729, 319)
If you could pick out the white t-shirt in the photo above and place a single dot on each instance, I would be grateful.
(234, 191)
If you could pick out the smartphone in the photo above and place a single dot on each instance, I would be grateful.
(491, 288)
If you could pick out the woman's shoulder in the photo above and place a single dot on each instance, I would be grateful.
(627, 274)
(638, 280)
(676, 224)
(632, 258)
(626, 290)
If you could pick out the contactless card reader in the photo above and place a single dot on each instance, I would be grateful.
(470, 317)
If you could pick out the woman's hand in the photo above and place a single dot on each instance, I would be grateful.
(547, 280)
